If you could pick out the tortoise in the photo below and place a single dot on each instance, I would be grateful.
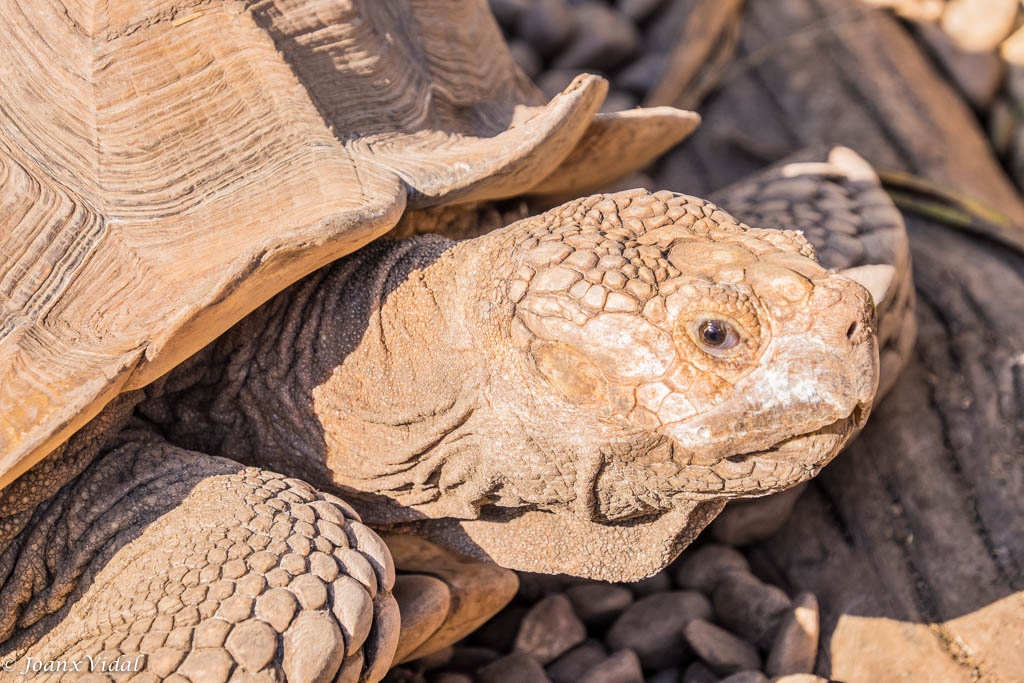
(217, 379)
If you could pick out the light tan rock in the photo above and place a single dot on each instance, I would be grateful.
(550, 629)
(979, 25)
(796, 643)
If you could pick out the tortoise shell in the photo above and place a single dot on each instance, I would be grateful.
(166, 168)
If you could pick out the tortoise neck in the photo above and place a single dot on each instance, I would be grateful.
(337, 376)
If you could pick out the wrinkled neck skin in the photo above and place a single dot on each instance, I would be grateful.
(539, 396)
(354, 378)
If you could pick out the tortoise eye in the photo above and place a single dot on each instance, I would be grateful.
(717, 335)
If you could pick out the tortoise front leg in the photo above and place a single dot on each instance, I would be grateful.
(192, 567)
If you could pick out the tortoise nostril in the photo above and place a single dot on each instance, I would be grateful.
(852, 329)
(860, 414)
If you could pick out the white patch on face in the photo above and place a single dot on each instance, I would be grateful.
(779, 384)
(689, 436)
(797, 377)
(676, 407)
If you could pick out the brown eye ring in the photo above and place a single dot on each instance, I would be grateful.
(717, 335)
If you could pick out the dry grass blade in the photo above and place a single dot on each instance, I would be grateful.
(944, 205)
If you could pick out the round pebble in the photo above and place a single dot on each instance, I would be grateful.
(517, 667)
(603, 39)
(549, 629)
(698, 672)
(573, 664)
(745, 677)
(599, 603)
(622, 667)
(653, 627)
(547, 24)
(796, 644)
(723, 652)
(750, 608)
(702, 568)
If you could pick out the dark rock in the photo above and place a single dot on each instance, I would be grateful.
(517, 667)
(796, 643)
(547, 25)
(603, 39)
(659, 583)
(699, 673)
(702, 568)
(599, 603)
(400, 674)
(749, 607)
(745, 677)
(499, 633)
(622, 667)
(652, 627)
(672, 675)
(723, 652)
(469, 659)
(550, 629)
(571, 666)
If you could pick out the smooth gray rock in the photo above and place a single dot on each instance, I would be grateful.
(573, 664)
(722, 651)
(517, 667)
(653, 627)
(622, 667)
(599, 603)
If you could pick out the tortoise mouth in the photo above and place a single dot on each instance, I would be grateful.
(785, 463)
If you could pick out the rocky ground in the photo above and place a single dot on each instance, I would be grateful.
(706, 618)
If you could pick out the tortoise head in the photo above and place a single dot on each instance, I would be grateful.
(637, 359)
(712, 358)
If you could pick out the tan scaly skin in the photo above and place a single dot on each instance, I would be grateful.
(553, 375)
(577, 392)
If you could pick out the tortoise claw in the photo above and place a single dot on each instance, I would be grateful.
(876, 278)
(442, 596)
